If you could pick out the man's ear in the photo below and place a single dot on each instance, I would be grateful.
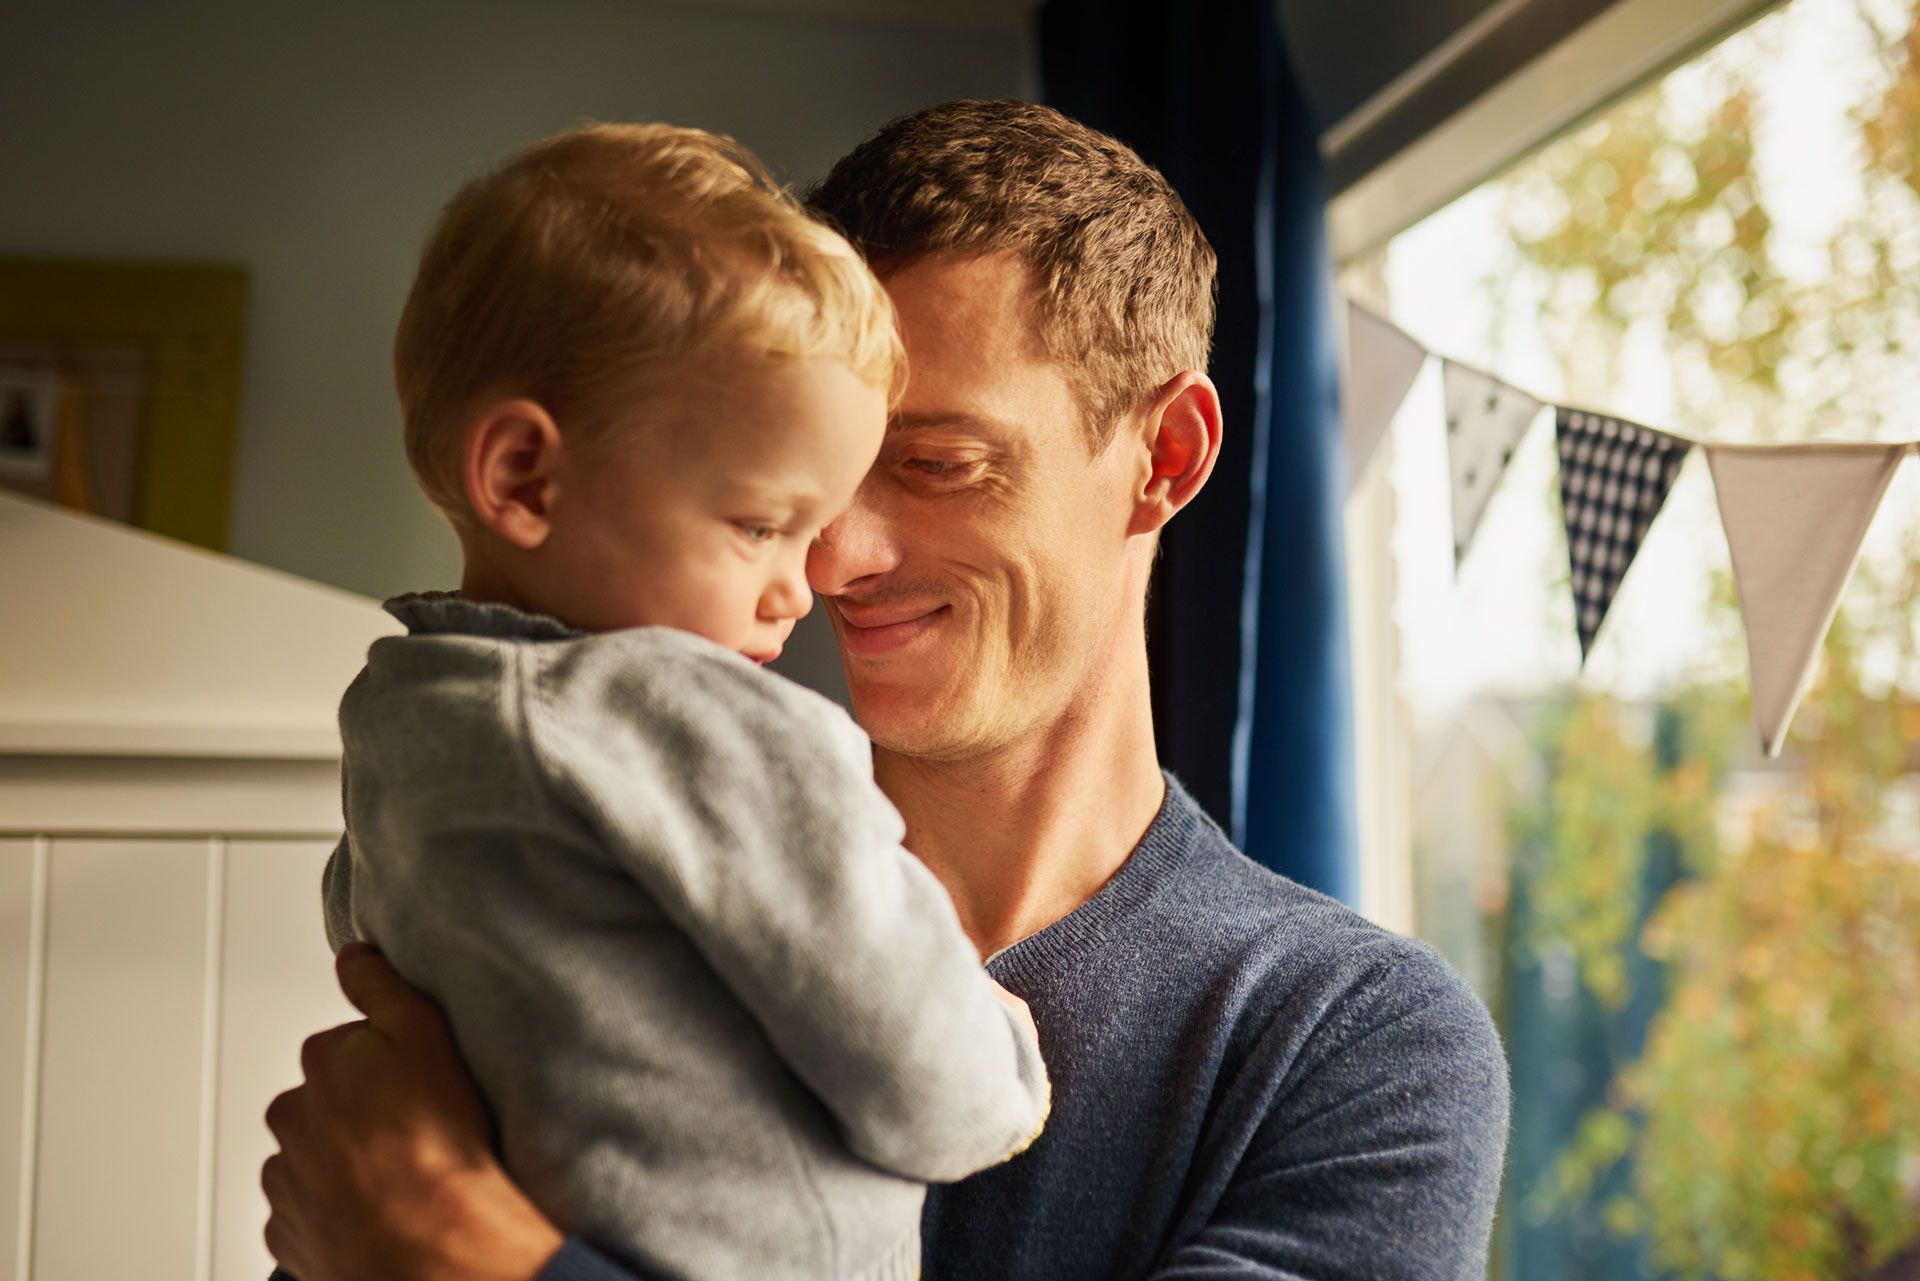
(512, 470)
(1180, 441)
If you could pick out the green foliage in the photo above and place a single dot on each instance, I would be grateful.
(1590, 827)
(1780, 1087)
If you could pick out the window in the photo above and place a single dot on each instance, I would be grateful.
(1706, 963)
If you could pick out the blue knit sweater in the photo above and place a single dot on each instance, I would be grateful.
(1250, 1081)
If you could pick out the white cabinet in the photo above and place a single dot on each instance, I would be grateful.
(154, 991)
(169, 791)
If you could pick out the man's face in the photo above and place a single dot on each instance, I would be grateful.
(979, 581)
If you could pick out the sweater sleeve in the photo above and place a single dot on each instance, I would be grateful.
(575, 1260)
(336, 896)
(745, 806)
(336, 882)
(1391, 1132)
(578, 1261)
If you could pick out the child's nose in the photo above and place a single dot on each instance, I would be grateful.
(788, 596)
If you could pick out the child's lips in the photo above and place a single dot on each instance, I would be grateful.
(763, 657)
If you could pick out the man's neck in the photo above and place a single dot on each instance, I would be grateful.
(1068, 802)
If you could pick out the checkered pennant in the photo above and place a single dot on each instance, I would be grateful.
(1614, 477)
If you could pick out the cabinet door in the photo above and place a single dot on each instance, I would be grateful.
(276, 988)
(126, 1047)
(22, 945)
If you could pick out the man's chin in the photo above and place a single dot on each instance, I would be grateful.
(908, 721)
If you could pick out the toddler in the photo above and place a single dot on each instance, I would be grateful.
(727, 1026)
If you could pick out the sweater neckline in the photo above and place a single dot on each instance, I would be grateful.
(443, 613)
(1165, 846)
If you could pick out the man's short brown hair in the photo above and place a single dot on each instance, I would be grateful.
(1124, 276)
(582, 268)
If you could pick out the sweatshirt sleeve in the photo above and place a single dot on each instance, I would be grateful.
(745, 806)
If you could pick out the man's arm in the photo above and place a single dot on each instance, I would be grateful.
(1378, 1157)
(576, 1261)
(385, 1168)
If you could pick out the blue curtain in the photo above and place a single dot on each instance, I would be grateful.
(1247, 622)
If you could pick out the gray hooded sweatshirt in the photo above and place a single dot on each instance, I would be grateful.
(727, 1026)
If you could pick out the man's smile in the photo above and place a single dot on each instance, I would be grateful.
(878, 629)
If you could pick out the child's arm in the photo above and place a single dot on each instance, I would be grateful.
(744, 805)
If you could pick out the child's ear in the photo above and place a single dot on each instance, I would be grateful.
(1179, 442)
(512, 466)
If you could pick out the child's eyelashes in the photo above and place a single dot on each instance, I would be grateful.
(756, 531)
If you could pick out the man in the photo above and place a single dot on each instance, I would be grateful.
(1249, 1080)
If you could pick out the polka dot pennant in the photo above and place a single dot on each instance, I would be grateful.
(1486, 420)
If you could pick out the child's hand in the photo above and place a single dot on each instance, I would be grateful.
(1018, 1006)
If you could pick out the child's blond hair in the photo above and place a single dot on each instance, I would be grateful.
(583, 266)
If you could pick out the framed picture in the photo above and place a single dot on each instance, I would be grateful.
(120, 390)
(28, 400)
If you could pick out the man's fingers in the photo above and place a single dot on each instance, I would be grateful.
(374, 987)
(316, 1049)
(277, 1183)
(281, 1245)
(281, 1114)
(274, 1180)
(277, 1243)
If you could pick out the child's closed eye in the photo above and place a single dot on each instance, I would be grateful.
(755, 531)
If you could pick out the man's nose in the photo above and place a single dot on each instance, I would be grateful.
(859, 544)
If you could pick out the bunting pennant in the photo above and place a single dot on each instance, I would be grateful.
(1381, 364)
(1614, 478)
(1795, 517)
(1485, 422)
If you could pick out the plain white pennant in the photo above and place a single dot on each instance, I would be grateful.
(1795, 516)
(1380, 367)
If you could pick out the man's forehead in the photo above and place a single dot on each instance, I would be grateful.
(982, 298)
(975, 361)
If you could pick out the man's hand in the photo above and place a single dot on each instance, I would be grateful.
(384, 1168)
